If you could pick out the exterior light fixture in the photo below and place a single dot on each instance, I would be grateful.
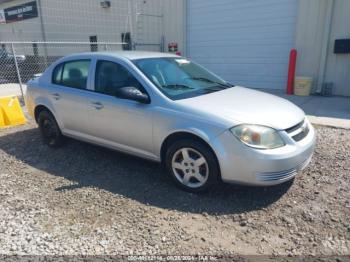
(105, 4)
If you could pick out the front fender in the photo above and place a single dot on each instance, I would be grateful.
(166, 124)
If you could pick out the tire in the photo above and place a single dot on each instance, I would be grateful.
(49, 129)
(192, 165)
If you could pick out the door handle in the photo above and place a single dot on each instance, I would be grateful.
(56, 96)
(97, 105)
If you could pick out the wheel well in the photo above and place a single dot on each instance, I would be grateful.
(38, 110)
(183, 135)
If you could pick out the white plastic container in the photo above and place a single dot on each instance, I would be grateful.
(302, 86)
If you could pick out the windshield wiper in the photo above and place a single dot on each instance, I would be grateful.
(177, 86)
(211, 81)
(212, 89)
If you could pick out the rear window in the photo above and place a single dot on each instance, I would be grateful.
(72, 74)
(57, 74)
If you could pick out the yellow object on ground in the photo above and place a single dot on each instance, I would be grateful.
(302, 86)
(11, 113)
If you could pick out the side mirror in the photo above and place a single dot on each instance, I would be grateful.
(132, 93)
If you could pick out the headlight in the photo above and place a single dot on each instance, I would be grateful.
(256, 136)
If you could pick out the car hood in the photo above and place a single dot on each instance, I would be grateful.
(239, 105)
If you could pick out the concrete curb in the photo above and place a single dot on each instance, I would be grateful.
(331, 122)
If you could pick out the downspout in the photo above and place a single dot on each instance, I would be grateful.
(185, 10)
(325, 45)
(43, 33)
(162, 37)
(131, 23)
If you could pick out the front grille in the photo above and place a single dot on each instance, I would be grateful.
(302, 134)
(296, 127)
(299, 131)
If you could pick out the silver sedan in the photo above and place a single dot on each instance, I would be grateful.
(171, 110)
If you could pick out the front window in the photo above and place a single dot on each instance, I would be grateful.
(111, 76)
(179, 78)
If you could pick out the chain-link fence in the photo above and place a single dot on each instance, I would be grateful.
(38, 32)
(21, 61)
(149, 31)
(139, 22)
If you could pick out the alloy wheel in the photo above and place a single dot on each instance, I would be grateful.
(190, 167)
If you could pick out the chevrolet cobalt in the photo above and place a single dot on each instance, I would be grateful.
(168, 109)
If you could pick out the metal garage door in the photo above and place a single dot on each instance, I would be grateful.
(247, 42)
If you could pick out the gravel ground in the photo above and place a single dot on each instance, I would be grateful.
(83, 199)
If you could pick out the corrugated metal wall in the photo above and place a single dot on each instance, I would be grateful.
(247, 42)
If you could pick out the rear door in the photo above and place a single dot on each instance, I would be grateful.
(69, 93)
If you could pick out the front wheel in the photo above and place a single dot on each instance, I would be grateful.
(49, 129)
(192, 165)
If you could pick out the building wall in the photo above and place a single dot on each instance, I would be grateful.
(27, 30)
(320, 23)
(174, 23)
(66, 20)
(338, 65)
(310, 27)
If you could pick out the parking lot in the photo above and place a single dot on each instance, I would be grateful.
(83, 199)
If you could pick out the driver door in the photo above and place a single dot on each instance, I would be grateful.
(118, 123)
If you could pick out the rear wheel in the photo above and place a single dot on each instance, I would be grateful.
(192, 165)
(49, 129)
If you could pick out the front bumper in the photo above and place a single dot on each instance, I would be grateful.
(245, 165)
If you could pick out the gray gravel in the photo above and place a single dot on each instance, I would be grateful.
(83, 199)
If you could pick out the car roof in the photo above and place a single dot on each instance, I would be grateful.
(130, 55)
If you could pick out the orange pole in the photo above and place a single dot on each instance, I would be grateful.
(291, 71)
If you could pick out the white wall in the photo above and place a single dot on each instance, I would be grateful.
(338, 65)
(312, 38)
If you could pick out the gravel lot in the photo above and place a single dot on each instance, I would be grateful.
(83, 199)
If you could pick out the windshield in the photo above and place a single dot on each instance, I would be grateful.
(179, 78)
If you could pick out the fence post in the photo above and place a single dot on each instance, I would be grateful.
(17, 69)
